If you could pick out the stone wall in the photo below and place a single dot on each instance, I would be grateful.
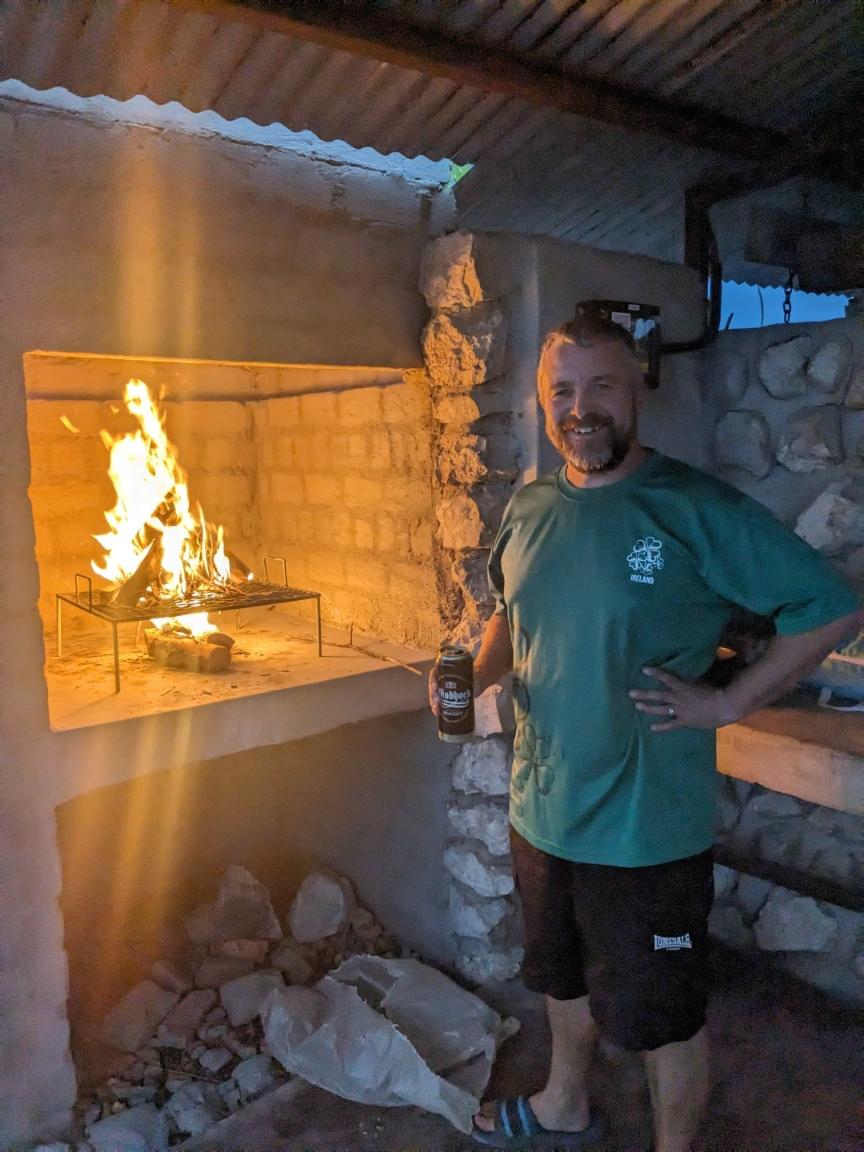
(796, 890)
(492, 299)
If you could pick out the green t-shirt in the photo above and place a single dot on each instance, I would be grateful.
(598, 583)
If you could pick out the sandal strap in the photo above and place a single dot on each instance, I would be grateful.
(530, 1123)
(516, 1118)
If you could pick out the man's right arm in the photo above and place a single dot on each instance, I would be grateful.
(493, 661)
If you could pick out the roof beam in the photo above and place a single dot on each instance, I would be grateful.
(358, 28)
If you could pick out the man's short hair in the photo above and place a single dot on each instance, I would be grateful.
(584, 331)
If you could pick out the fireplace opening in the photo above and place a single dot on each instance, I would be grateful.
(277, 530)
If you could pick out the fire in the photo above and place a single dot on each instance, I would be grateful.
(153, 531)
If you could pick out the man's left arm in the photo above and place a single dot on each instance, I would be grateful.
(685, 704)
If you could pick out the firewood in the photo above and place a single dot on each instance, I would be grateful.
(221, 638)
(171, 651)
(133, 588)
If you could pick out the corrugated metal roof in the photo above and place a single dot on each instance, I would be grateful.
(778, 65)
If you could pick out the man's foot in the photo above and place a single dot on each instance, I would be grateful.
(514, 1123)
(549, 1115)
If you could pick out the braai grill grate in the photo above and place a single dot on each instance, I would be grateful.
(249, 594)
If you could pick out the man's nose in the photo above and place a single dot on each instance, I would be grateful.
(578, 404)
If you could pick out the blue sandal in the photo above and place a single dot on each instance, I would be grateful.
(517, 1127)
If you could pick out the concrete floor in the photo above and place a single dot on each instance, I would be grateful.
(789, 1067)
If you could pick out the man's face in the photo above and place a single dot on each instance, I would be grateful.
(591, 397)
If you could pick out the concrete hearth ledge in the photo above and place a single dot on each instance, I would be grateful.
(82, 759)
(813, 754)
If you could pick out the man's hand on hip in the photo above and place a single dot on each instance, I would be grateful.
(682, 703)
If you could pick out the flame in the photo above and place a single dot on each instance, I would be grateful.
(153, 514)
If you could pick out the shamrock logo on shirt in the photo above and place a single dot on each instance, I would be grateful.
(645, 556)
(531, 755)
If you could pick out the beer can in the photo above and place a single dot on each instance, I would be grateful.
(455, 694)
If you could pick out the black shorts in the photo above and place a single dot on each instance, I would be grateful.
(633, 939)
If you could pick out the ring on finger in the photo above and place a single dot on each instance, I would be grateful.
(670, 712)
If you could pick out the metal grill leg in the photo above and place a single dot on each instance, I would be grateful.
(318, 622)
(59, 627)
(116, 660)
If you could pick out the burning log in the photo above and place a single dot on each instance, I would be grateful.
(130, 591)
(173, 651)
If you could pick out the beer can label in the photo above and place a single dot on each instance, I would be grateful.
(455, 697)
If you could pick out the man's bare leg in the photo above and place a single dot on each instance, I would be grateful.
(679, 1079)
(563, 1103)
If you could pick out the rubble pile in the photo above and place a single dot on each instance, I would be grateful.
(191, 1037)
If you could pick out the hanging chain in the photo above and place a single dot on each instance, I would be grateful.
(787, 298)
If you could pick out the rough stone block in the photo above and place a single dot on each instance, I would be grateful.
(322, 907)
(363, 493)
(289, 960)
(855, 392)
(215, 1059)
(471, 519)
(318, 409)
(725, 880)
(256, 1075)
(133, 1020)
(467, 458)
(472, 915)
(323, 488)
(218, 970)
(751, 895)
(181, 1024)
(792, 923)
(242, 910)
(283, 412)
(782, 367)
(741, 443)
(470, 571)
(469, 407)
(829, 367)
(833, 522)
(486, 822)
(479, 870)
(141, 1129)
(243, 999)
(448, 273)
(479, 963)
(811, 440)
(463, 351)
(483, 766)
(727, 925)
(171, 976)
(774, 804)
(196, 1107)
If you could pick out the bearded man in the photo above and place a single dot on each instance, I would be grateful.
(614, 579)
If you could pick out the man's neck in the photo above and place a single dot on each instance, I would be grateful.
(635, 456)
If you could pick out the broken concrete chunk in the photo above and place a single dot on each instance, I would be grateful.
(133, 1020)
(244, 998)
(218, 970)
(242, 911)
(196, 1107)
(255, 950)
(833, 522)
(291, 963)
(181, 1024)
(811, 440)
(464, 350)
(171, 976)
(472, 915)
(741, 443)
(782, 367)
(215, 1059)
(486, 822)
(855, 391)
(725, 880)
(483, 766)
(57, 1146)
(792, 923)
(322, 907)
(751, 895)
(448, 273)
(772, 803)
(141, 1129)
(479, 870)
(256, 1075)
(829, 367)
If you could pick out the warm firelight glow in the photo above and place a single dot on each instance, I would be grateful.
(152, 527)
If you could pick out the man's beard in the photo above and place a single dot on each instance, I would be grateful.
(605, 449)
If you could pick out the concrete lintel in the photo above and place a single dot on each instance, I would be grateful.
(785, 763)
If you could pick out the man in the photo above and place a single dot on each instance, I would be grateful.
(614, 579)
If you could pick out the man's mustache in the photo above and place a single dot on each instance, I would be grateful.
(571, 424)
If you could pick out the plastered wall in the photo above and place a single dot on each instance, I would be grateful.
(133, 240)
